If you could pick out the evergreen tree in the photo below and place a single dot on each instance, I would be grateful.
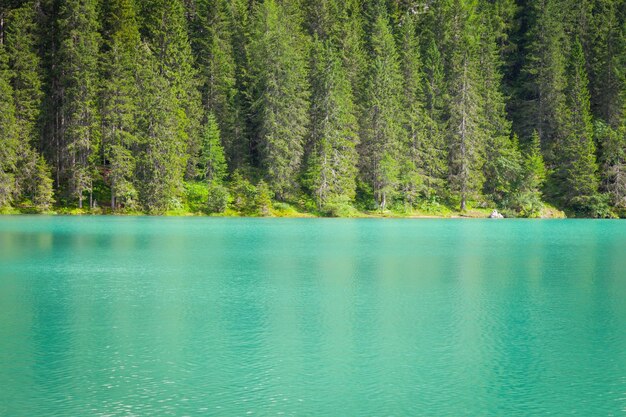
(164, 26)
(8, 134)
(161, 157)
(331, 165)
(503, 162)
(263, 199)
(240, 21)
(466, 133)
(281, 95)
(543, 106)
(434, 153)
(119, 101)
(351, 44)
(416, 146)
(607, 60)
(212, 42)
(212, 158)
(528, 200)
(381, 129)
(613, 162)
(26, 82)
(575, 176)
(24, 61)
(77, 63)
(40, 189)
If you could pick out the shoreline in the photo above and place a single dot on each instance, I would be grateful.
(470, 214)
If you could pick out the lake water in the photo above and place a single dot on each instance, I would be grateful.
(311, 317)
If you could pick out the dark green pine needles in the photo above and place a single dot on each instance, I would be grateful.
(329, 105)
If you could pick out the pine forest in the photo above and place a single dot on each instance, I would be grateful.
(326, 107)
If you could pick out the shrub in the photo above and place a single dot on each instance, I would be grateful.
(263, 199)
(217, 199)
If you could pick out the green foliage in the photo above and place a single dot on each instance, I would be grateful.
(8, 134)
(161, 156)
(528, 199)
(263, 199)
(613, 162)
(42, 192)
(281, 94)
(211, 39)
(164, 28)
(77, 59)
(381, 129)
(575, 176)
(119, 104)
(217, 197)
(384, 105)
(243, 194)
(467, 133)
(332, 162)
(413, 174)
(212, 160)
(26, 72)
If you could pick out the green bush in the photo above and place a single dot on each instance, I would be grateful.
(243, 194)
(263, 199)
(217, 198)
(196, 194)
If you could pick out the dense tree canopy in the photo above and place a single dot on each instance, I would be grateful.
(375, 104)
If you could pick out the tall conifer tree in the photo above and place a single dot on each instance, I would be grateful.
(281, 95)
(8, 133)
(332, 161)
(575, 176)
(466, 133)
(381, 128)
(119, 100)
(212, 43)
(32, 173)
(77, 63)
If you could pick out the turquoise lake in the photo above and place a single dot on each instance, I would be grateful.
(144, 316)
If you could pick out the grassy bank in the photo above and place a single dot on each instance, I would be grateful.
(292, 210)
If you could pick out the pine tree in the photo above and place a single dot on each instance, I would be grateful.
(161, 157)
(415, 145)
(77, 62)
(212, 158)
(434, 153)
(164, 26)
(613, 161)
(263, 199)
(119, 101)
(503, 162)
(8, 134)
(26, 81)
(332, 161)
(351, 44)
(466, 133)
(543, 107)
(21, 43)
(381, 129)
(529, 196)
(575, 175)
(240, 20)
(281, 94)
(212, 44)
(41, 190)
(607, 60)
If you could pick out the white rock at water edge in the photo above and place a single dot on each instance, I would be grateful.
(496, 215)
